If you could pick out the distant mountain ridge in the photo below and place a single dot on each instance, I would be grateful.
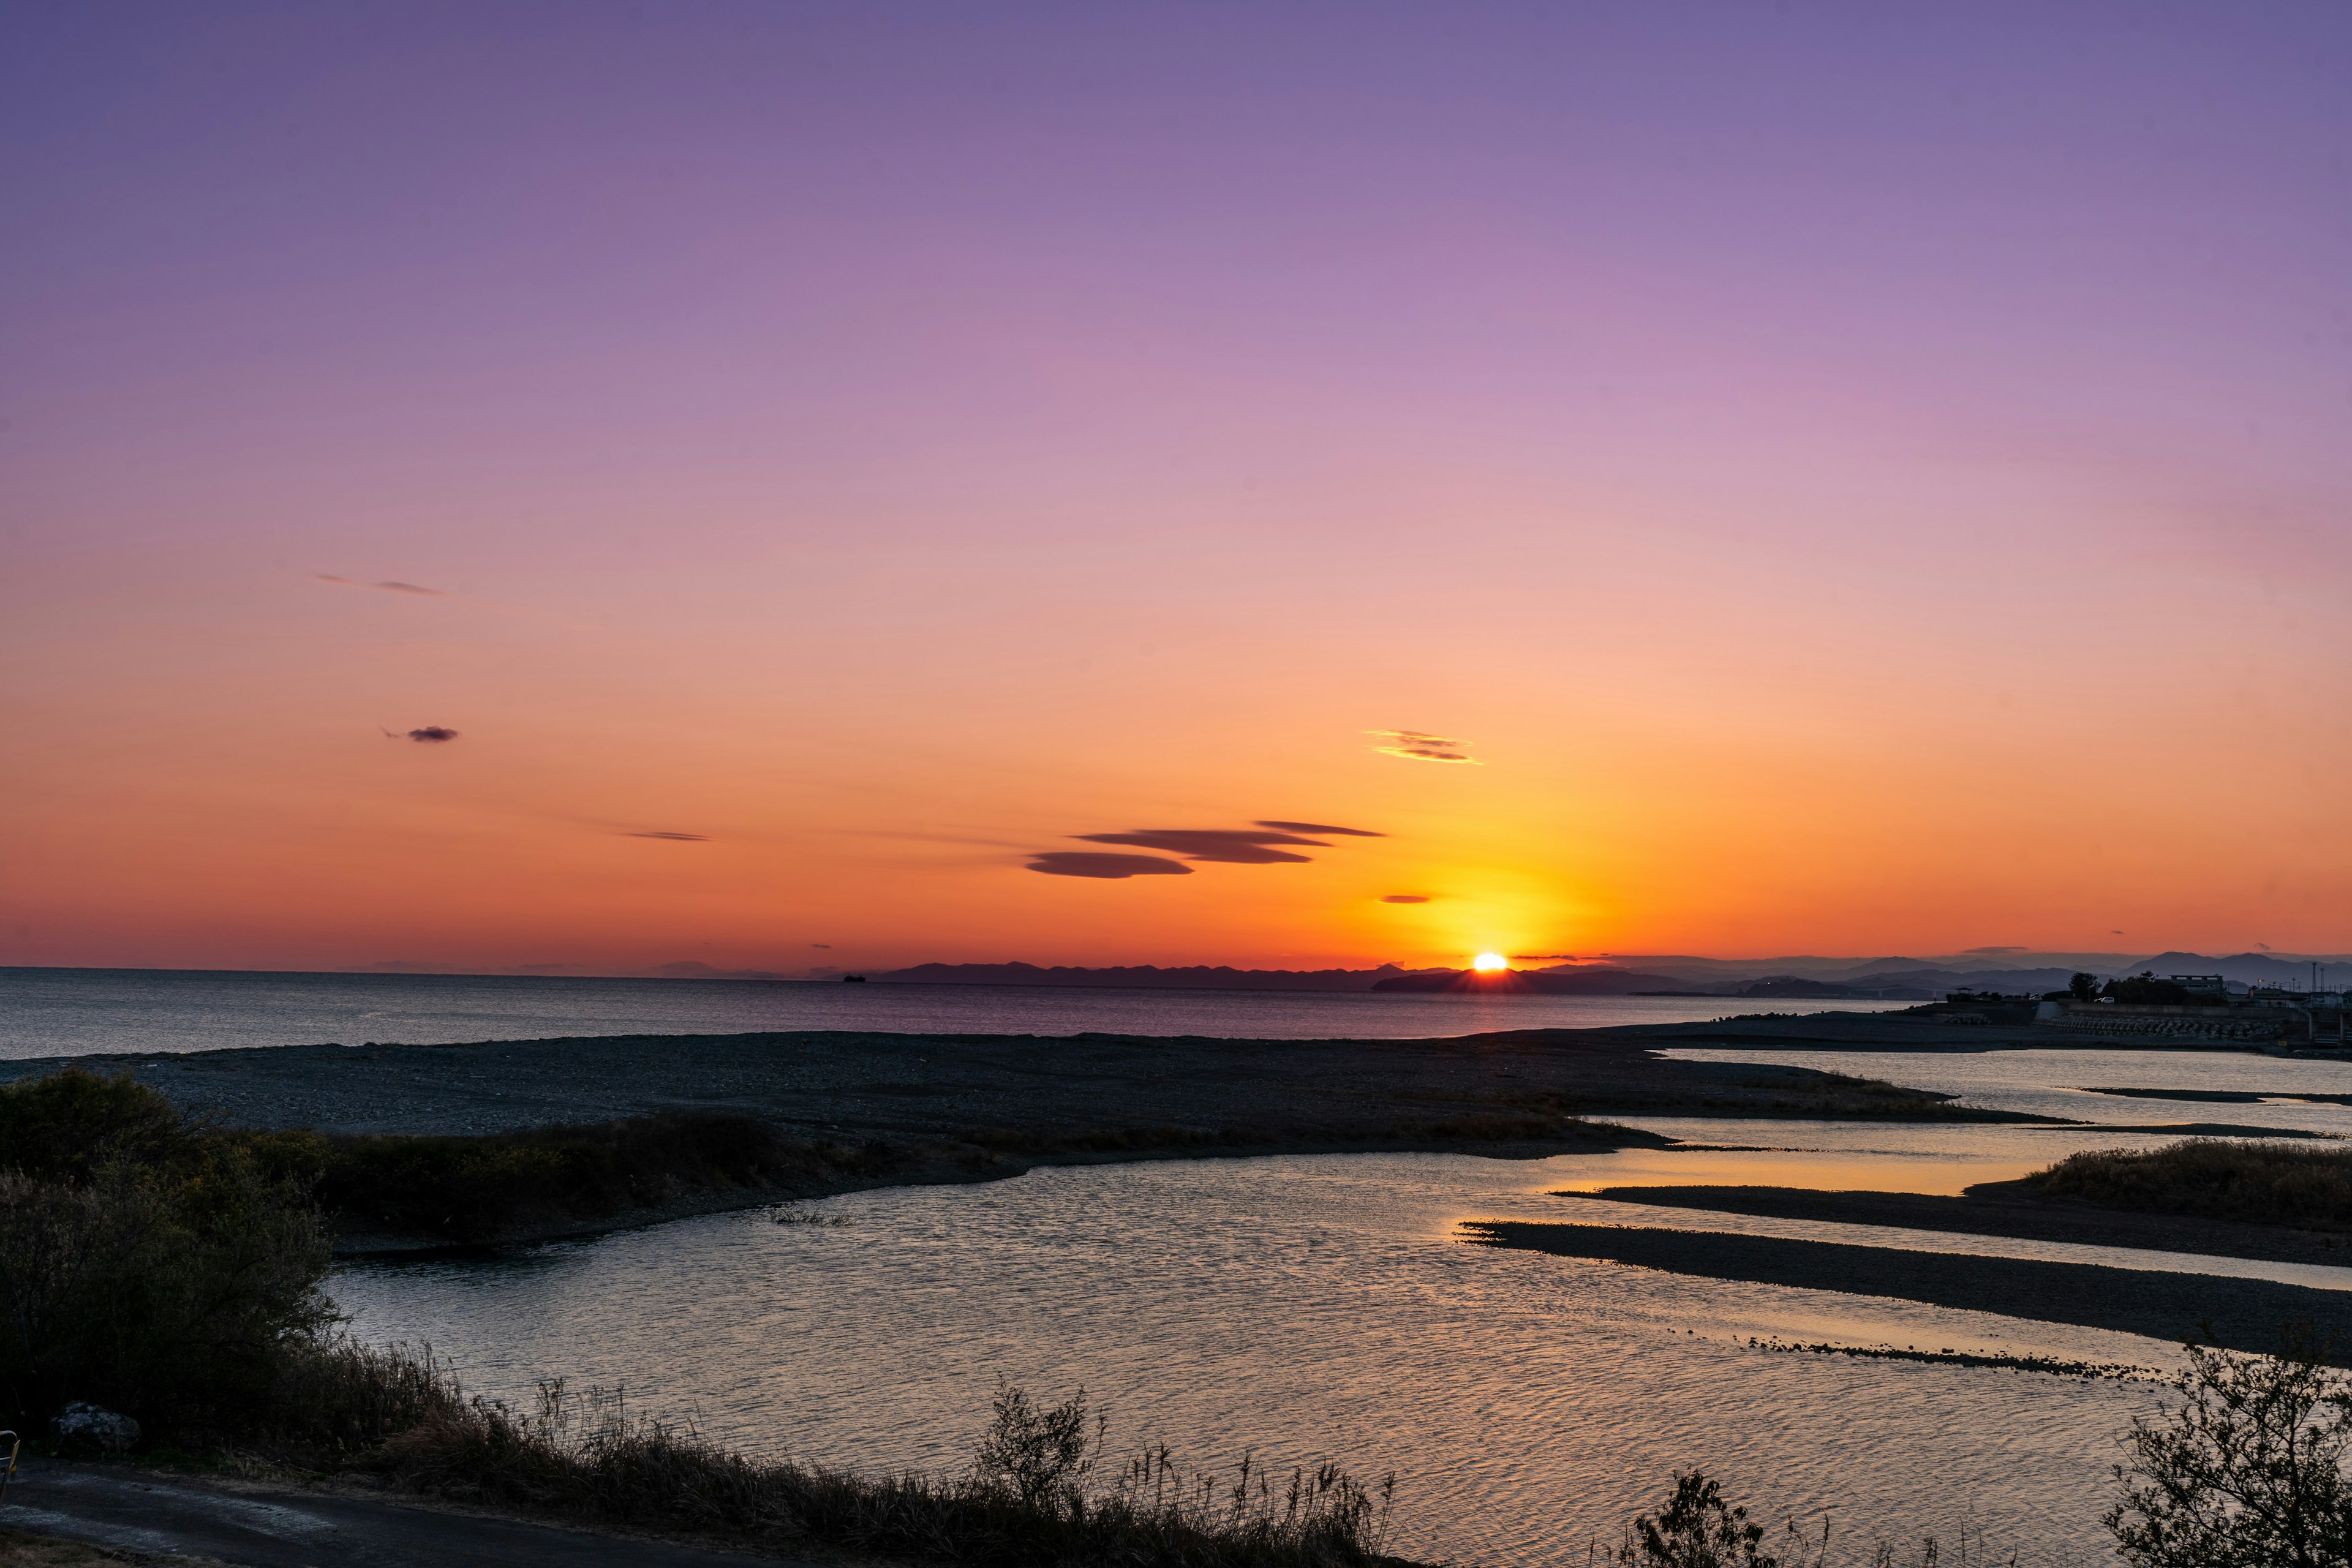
(1189, 977)
(2012, 970)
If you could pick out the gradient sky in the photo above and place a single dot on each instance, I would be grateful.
(1860, 479)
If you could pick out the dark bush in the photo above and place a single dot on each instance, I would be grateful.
(2248, 1470)
(67, 1126)
(2147, 991)
(147, 1265)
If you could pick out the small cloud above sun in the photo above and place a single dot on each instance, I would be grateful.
(1489, 963)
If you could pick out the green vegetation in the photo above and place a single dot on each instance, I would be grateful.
(2213, 1178)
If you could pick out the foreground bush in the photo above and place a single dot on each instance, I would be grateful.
(2247, 1470)
(2266, 1182)
(146, 1265)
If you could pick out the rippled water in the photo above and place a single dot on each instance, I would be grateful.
(1313, 1307)
(2058, 1082)
(1305, 1308)
(78, 1012)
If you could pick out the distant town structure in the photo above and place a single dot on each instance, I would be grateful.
(2202, 1008)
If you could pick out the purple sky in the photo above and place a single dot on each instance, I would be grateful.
(1058, 409)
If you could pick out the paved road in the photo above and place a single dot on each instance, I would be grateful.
(131, 1511)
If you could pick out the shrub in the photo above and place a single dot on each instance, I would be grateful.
(1040, 1456)
(1697, 1528)
(150, 1265)
(2248, 1472)
(2265, 1182)
(167, 1299)
(67, 1126)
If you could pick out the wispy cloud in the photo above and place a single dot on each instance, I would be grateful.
(1405, 898)
(387, 587)
(673, 837)
(1323, 827)
(430, 735)
(1543, 958)
(1418, 746)
(1107, 867)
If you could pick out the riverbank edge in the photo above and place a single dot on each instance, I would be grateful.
(959, 1168)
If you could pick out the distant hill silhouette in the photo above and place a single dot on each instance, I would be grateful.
(1194, 977)
(2011, 970)
(1581, 981)
(2246, 968)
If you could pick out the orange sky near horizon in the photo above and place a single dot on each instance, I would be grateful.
(1841, 520)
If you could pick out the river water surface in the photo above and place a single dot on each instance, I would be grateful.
(1324, 1307)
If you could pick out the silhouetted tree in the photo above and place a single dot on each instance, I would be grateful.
(2249, 1471)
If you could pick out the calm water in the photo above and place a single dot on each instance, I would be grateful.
(2059, 1082)
(77, 1011)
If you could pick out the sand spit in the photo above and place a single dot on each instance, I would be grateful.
(2242, 1314)
(942, 1109)
(1995, 1209)
(843, 1084)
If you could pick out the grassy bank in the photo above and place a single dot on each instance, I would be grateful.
(2263, 1183)
(1036, 1490)
(471, 1189)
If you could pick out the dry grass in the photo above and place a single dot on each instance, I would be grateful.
(1025, 1500)
(2263, 1182)
(19, 1549)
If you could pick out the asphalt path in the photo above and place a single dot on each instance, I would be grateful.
(139, 1511)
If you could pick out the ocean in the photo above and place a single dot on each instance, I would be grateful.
(92, 1012)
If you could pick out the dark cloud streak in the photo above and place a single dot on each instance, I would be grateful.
(1103, 867)
(1322, 827)
(1228, 847)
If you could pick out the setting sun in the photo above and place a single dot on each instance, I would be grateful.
(1488, 963)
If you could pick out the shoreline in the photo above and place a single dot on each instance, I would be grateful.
(357, 1246)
